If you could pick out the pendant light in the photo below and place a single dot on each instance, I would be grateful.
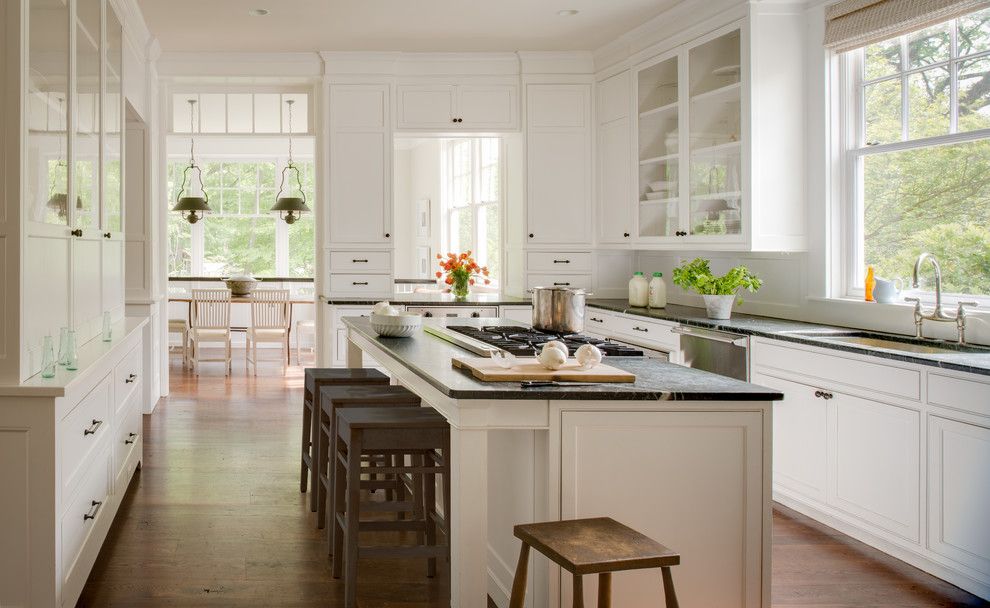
(192, 203)
(59, 201)
(290, 208)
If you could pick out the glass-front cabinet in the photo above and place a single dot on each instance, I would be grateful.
(73, 137)
(690, 118)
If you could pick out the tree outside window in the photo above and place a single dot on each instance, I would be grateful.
(472, 200)
(240, 235)
(920, 163)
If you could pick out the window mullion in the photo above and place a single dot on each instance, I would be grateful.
(905, 98)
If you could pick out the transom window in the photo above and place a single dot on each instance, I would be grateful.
(239, 234)
(917, 160)
(472, 200)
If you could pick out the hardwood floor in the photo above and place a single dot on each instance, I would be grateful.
(215, 518)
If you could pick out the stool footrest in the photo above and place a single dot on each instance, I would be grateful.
(387, 507)
(403, 552)
(403, 525)
(400, 470)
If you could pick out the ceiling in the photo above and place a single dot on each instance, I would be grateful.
(393, 25)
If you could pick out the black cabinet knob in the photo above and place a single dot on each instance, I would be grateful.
(475, 315)
(427, 314)
(387, 235)
(625, 234)
(453, 120)
(106, 235)
(76, 232)
(530, 235)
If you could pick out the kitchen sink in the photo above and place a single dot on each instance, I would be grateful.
(890, 342)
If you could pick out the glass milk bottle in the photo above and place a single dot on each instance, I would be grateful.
(639, 291)
(658, 291)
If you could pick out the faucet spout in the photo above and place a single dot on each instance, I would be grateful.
(938, 314)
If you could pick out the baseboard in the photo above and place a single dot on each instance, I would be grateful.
(915, 558)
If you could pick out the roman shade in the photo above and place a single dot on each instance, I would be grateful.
(851, 24)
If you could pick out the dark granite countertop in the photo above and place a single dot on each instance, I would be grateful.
(784, 329)
(435, 299)
(429, 357)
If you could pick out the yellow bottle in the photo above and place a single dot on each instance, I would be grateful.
(870, 284)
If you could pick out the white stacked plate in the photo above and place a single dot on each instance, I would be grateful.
(402, 325)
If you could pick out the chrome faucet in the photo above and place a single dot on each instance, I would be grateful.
(937, 314)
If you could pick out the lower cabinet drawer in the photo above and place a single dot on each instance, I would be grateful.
(84, 511)
(372, 285)
(128, 433)
(81, 432)
(648, 333)
(959, 393)
(126, 377)
(581, 281)
(598, 322)
(360, 261)
(548, 261)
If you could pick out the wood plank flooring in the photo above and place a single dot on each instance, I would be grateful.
(215, 518)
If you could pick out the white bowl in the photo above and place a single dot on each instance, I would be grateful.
(241, 286)
(402, 325)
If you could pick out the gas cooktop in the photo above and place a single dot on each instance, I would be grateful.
(527, 342)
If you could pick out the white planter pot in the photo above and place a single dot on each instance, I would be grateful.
(719, 307)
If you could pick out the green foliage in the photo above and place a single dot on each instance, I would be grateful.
(697, 275)
(933, 199)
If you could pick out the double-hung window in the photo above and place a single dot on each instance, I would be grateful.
(916, 131)
(472, 200)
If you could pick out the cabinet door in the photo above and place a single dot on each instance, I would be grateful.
(87, 300)
(874, 460)
(112, 125)
(359, 209)
(799, 444)
(559, 184)
(487, 106)
(958, 468)
(425, 107)
(690, 480)
(614, 165)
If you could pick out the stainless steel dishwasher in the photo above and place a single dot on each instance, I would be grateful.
(720, 352)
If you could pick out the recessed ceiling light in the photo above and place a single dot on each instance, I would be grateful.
(567, 12)
(258, 12)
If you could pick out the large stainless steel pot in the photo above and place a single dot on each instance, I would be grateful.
(559, 309)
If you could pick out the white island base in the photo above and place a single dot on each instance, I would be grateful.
(692, 474)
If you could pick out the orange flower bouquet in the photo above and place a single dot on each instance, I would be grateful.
(462, 272)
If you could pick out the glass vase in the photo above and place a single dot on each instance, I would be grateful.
(460, 288)
(71, 357)
(63, 343)
(47, 358)
(107, 327)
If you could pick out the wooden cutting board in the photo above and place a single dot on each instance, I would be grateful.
(487, 370)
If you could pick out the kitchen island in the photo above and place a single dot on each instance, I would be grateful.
(681, 455)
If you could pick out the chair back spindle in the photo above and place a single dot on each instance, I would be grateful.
(270, 309)
(210, 309)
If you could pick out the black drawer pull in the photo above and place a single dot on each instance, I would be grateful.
(595, 319)
(359, 283)
(562, 284)
(642, 329)
(823, 395)
(359, 261)
(93, 427)
(93, 510)
(130, 438)
(561, 261)
(76, 232)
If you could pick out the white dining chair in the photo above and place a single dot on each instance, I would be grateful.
(269, 323)
(307, 327)
(210, 323)
(181, 327)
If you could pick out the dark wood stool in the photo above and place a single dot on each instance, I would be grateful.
(420, 432)
(592, 546)
(315, 378)
(332, 398)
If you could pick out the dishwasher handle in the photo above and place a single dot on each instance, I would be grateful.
(708, 334)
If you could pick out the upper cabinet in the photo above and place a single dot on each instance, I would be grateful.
(558, 164)
(716, 136)
(73, 137)
(463, 106)
(615, 218)
(360, 165)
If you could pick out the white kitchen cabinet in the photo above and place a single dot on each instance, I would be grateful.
(558, 164)
(615, 218)
(713, 139)
(874, 463)
(466, 106)
(360, 207)
(900, 464)
(799, 443)
(721, 492)
(958, 469)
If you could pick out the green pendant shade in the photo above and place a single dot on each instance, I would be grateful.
(290, 208)
(188, 206)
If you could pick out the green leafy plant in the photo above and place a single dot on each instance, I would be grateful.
(696, 275)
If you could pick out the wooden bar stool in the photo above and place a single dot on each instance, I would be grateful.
(331, 399)
(421, 432)
(316, 378)
(592, 546)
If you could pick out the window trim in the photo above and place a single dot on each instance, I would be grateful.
(849, 99)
